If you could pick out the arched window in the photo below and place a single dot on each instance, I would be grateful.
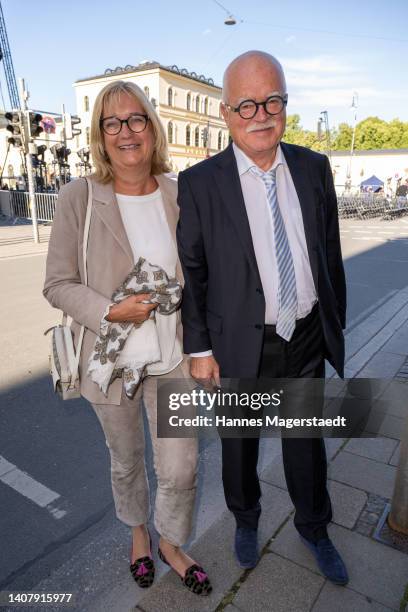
(206, 106)
(88, 135)
(197, 137)
(188, 136)
(170, 132)
(147, 92)
(170, 97)
(197, 106)
(10, 170)
(219, 140)
(86, 104)
(188, 101)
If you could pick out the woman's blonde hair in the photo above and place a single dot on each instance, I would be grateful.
(113, 91)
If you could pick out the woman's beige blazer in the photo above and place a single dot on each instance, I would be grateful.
(109, 260)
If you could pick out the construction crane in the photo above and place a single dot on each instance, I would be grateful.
(5, 55)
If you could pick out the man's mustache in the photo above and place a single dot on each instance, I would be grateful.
(256, 127)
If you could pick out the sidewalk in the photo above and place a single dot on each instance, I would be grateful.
(361, 477)
(17, 238)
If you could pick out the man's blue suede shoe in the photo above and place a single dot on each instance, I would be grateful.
(328, 559)
(246, 547)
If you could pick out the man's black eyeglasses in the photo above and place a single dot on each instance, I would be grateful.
(247, 109)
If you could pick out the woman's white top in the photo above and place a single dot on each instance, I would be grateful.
(149, 236)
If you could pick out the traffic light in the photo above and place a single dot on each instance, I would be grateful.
(41, 149)
(60, 153)
(69, 122)
(83, 155)
(34, 127)
(15, 127)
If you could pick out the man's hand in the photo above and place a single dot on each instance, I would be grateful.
(131, 309)
(206, 371)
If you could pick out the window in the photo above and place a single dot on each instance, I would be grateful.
(197, 137)
(88, 135)
(219, 110)
(206, 106)
(86, 104)
(10, 171)
(170, 97)
(197, 105)
(188, 101)
(188, 136)
(170, 132)
(219, 140)
(147, 92)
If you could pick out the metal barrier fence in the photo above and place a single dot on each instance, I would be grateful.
(361, 206)
(365, 206)
(45, 202)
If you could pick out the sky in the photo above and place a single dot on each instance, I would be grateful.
(329, 50)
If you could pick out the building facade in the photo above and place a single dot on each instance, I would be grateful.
(187, 104)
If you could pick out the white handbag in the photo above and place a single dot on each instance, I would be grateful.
(64, 360)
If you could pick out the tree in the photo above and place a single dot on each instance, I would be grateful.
(342, 139)
(371, 133)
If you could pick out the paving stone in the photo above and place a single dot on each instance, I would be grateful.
(380, 449)
(340, 599)
(398, 342)
(386, 425)
(394, 398)
(395, 457)
(278, 585)
(347, 503)
(376, 571)
(363, 473)
(332, 446)
(214, 550)
(382, 365)
(269, 448)
(274, 474)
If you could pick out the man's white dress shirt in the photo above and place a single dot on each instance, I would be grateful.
(261, 226)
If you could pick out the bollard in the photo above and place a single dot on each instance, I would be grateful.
(398, 516)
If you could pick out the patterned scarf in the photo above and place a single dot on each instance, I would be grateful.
(125, 349)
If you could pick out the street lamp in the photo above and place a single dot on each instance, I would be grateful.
(354, 105)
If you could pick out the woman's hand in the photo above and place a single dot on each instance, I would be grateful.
(131, 309)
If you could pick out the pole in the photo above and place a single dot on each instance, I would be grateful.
(398, 516)
(353, 136)
(25, 132)
(31, 195)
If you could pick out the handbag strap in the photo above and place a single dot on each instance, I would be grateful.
(75, 368)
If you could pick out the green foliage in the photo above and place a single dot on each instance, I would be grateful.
(295, 134)
(371, 133)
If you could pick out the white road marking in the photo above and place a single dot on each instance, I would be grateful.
(373, 238)
(21, 482)
(358, 231)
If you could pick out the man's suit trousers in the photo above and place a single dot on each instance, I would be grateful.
(304, 459)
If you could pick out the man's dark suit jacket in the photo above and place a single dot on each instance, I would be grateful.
(223, 305)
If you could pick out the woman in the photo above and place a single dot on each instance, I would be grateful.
(134, 214)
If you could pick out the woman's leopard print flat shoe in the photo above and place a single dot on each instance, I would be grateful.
(143, 570)
(195, 579)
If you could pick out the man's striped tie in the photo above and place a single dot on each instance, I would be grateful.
(287, 296)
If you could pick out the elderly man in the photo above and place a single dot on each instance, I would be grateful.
(265, 292)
